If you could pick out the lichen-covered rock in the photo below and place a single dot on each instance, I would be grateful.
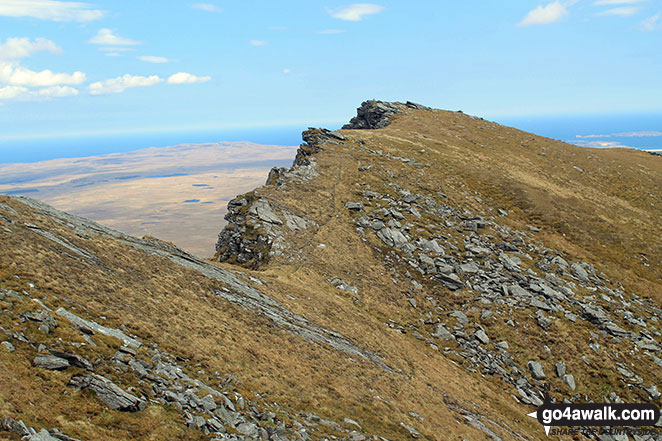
(108, 392)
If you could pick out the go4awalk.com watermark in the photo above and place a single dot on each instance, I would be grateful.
(611, 418)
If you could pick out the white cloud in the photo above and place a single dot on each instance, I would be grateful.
(623, 11)
(286, 71)
(206, 7)
(20, 76)
(120, 84)
(186, 78)
(14, 48)
(331, 31)
(355, 12)
(153, 59)
(12, 92)
(257, 43)
(20, 93)
(57, 92)
(652, 23)
(541, 15)
(50, 10)
(105, 36)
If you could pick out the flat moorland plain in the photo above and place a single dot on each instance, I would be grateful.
(175, 193)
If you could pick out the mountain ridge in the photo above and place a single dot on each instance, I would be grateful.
(415, 281)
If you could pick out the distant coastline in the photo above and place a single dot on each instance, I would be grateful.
(638, 131)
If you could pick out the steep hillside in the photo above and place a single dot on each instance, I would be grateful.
(420, 274)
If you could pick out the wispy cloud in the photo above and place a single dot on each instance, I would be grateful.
(154, 59)
(120, 84)
(207, 7)
(19, 76)
(652, 23)
(257, 43)
(20, 93)
(186, 78)
(107, 37)
(541, 15)
(50, 10)
(623, 11)
(15, 48)
(355, 12)
(331, 31)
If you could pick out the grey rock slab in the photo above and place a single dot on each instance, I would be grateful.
(42, 435)
(536, 370)
(450, 281)
(443, 333)
(248, 429)
(92, 327)
(8, 346)
(354, 206)
(560, 369)
(51, 362)
(569, 380)
(482, 337)
(108, 392)
(73, 359)
(393, 237)
(580, 272)
(412, 432)
(263, 211)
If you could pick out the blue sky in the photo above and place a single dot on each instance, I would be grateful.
(69, 68)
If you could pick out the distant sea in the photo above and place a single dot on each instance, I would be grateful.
(640, 131)
(43, 149)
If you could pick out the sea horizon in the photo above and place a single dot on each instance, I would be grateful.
(637, 131)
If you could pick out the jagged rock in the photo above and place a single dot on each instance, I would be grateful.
(340, 284)
(413, 432)
(373, 114)
(248, 429)
(560, 369)
(354, 206)
(569, 380)
(450, 281)
(73, 359)
(503, 345)
(443, 333)
(482, 337)
(263, 211)
(51, 362)
(92, 327)
(394, 238)
(461, 317)
(16, 426)
(43, 316)
(108, 392)
(536, 370)
(580, 272)
(653, 392)
(8, 346)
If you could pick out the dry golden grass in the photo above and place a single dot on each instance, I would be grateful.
(604, 214)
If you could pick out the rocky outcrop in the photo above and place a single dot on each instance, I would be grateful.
(375, 114)
(255, 231)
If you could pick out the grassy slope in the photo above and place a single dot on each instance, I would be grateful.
(604, 214)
